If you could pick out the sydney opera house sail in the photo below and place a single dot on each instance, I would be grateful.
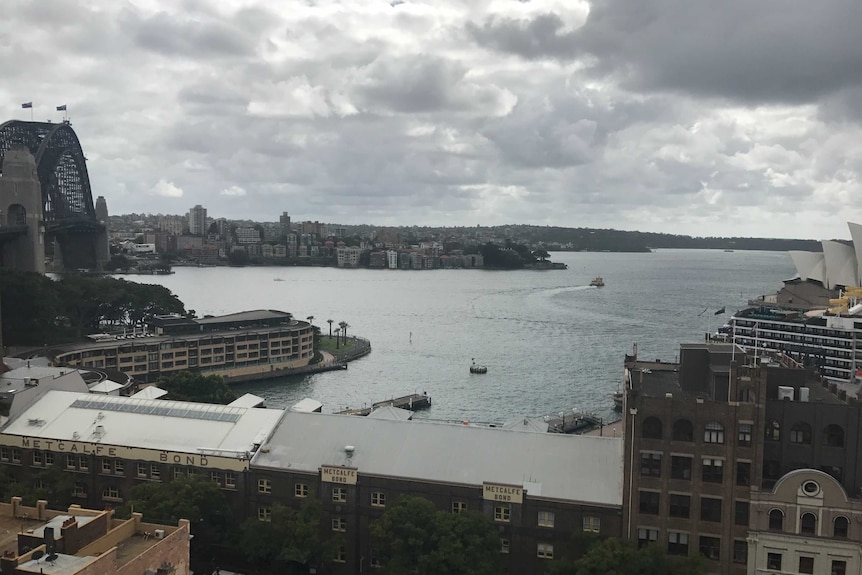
(838, 265)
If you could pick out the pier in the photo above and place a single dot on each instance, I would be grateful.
(412, 402)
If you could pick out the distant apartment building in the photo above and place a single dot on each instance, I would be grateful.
(377, 260)
(348, 257)
(171, 225)
(312, 228)
(340, 232)
(284, 222)
(198, 220)
(247, 235)
(279, 251)
(392, 259)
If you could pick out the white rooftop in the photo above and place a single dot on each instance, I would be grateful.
(575, 468)
(106, 386)
(308, 405)
(144, 423)
(248, 400)
(390, 412)
(150, 392)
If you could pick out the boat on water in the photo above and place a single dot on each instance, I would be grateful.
(476, 368)
(618, 400)
(597, 281)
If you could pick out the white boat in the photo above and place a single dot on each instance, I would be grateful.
(597, 281)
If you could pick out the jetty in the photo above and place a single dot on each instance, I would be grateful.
(412, 402)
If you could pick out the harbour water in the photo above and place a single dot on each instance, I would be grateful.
(551, 342)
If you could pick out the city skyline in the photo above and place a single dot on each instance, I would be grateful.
(724, 120)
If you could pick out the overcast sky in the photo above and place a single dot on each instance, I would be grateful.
(731, 118)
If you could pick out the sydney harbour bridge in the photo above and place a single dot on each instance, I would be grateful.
(46, 204)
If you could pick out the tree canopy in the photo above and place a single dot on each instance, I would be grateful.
(413, 536)
(192, 386)
(618, 557)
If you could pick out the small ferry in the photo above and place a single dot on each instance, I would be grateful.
(597, 281)
(476, 368)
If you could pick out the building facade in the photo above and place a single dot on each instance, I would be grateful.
(198, 220)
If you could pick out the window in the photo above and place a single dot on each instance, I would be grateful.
(546, 518)
(71, 462)
(649, 502)
(378, 499)
(808, 525)
(545, 551)
(740, 551)
(776, 520)
(683, 431)
(646, 536)
(83, 463)
(264, 486)
(504, 545)
(680, 467)
(745, 395)
(119, 467)
(713, 470)
(215, 477)
(744, 439)
(264, 513)
(743, 473)
(710, 509)
(502, 513)
(340, 555)
(79, 489)
(339, 524)
(710, 547)
(175, 472)
(800, 433)
(651, 464)
(300, 490)
(833, 436)
(230, 480)
(841, 526)
(592, 524)
(38, 460)
(651, 428)
(4, 454)
(16, 455)
(740, 515)
(680, 505)
(713, 432)
(773, 431)
(49, 458)
(677, 543)
(107, 466)
(839, 567)
(142, 469)
(155, 471)
(339, 494)
(110, 492)
(459, 506)
(773, 561)
(806, 565)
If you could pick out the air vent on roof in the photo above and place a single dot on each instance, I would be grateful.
(349, 449)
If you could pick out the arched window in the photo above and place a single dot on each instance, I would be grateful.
(713, 432)
(841, 527)
(683, 430)
(651, 428)
(800, 433)
(834, 435)
(773, 431)
(808, 524)
(776, 520)
(17, 215)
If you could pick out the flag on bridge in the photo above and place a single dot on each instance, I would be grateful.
(61, 108)
(27, 105)
(719, 312)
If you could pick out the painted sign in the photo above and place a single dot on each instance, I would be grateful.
(345, 475)
(504, 493)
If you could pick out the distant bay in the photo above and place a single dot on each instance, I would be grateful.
(551, 342)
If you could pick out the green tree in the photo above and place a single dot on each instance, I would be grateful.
(31, 309)
(541, 255)
(617, 557)
(413, 536)
(292, 537)
(192, 386)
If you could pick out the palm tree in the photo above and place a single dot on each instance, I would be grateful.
(337, 338)
(329, 321)
(310, 318)
(343, 325)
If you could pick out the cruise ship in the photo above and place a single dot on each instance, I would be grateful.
(816, 317)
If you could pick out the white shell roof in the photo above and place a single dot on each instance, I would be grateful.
(837, 265)
(809, 265)
(60, 420)
(840, 264)
(579, 468)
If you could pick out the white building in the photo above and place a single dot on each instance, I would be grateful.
(348, 257)
(198, 220)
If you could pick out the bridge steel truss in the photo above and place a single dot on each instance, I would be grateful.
(68, 211)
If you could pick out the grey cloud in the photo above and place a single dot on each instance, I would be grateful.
(171, 36)
(540, 37)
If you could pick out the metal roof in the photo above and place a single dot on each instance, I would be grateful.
(575, 468)
(252, 315)
(179, 426)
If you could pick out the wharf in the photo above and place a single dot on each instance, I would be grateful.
(412, 402)
(573, 423)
